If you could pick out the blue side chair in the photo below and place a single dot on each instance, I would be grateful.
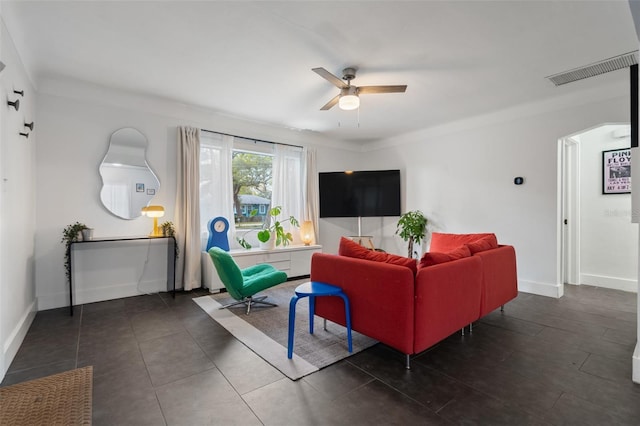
(243, 284)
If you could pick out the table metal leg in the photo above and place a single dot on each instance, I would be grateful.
(312, 312)
(292, 323)
(347, 312)
(171, 265)
(69, 255)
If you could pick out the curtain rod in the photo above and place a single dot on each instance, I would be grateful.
(252, 139)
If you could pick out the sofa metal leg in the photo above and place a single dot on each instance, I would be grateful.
(325, 324)
(462, 331)
(502, 308)
(470, 328)
(407, 362)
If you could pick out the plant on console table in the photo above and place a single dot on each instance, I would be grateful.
(71, 233)
(412, 227)
(168, 230)
(273, 229)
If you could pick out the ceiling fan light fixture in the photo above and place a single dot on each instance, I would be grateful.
(349, 102)
(349, 99)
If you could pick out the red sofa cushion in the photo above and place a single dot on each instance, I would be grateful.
(443, 243)
(352, 249)
(485, 243)
(435, 258)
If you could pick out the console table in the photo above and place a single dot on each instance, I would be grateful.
(295, 260)
(171, 258)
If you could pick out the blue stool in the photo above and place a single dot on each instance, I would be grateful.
(312, 290)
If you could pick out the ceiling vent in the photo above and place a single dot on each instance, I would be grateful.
(611, 64)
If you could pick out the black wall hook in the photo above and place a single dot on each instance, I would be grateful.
(19, 92)
(29, 125)
(26, 135)
(15, 104)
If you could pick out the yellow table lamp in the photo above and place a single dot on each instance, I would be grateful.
(155, 212)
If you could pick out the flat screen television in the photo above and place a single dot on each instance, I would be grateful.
(369, 193)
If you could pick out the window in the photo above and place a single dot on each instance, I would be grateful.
(252, 187)
(239, 176)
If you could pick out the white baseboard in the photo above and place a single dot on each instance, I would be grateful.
(14, 340)
(635, 364)
(609, 282)
(98, 294)
(51, 301)
(541, 289)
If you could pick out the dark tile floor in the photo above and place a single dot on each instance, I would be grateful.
(159, 360)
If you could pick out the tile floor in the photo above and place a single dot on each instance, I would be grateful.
(159, 360)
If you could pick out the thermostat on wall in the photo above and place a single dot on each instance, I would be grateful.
(519, 180)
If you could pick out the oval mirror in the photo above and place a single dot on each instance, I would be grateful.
(128, 183)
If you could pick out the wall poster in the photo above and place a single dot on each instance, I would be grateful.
(616, 171)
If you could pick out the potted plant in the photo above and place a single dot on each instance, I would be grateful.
(168, 230)
(272, 231)
(70, 234)
(412, 227)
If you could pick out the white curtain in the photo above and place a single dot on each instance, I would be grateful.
(311, 197)
(288, 183)
(216, 183)
(187, 217)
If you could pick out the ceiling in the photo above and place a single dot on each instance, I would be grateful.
(253, 59)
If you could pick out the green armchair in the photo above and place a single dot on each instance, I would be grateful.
(243, 284)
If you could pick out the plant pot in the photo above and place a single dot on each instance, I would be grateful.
(87, 234)
(270, 244)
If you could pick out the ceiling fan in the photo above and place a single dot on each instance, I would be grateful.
(348, 98)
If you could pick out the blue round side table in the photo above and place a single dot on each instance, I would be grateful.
(312, 290)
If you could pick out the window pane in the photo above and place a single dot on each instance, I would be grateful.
(252, 173)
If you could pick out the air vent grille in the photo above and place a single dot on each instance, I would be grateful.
(611, 64)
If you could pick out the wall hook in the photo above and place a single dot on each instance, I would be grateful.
(15, 104)
(26, 135)
(29, 125)
(19, 92)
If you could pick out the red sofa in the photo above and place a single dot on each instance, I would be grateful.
(411, 306)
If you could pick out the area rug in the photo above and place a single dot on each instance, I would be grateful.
(60, 399)
(265, 331)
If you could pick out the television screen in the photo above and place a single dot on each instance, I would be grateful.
(360, 194)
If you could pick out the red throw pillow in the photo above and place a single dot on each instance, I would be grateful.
(435, 258)
(444, 243)
(485, 243)
(352, 249)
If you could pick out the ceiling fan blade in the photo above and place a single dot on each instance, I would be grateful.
(368, 90)
(331, 103)
(330, 77)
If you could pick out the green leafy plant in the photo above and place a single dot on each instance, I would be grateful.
(282, 237)
(70, 235)
(412, 227)
(168, 230)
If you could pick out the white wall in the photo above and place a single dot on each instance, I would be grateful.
(17, 205)
(461, 175)
(75, 123)
(608, 239)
